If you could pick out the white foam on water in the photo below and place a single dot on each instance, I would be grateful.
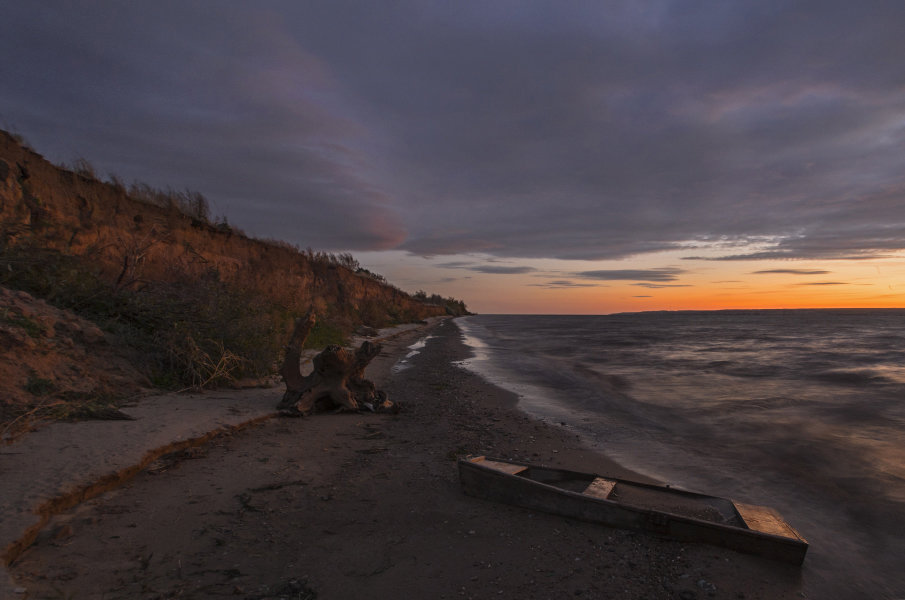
(415, 349)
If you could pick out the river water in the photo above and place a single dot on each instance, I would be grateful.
(801, 410)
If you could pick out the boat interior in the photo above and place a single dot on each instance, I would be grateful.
(629, 493)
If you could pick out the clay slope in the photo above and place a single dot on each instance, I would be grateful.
(134, 241)
(56, 364)
(127, 288)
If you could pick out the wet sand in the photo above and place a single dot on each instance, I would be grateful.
(353, 505)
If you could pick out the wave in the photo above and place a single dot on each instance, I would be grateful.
(857, 377)
(802, 410)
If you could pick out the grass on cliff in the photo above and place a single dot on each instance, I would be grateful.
(189, 333)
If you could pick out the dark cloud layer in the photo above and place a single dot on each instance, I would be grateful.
(792, 272)
(485, 268)
(764, 128)
(563, 284)
(500, 270)
(659, 286)
(665, 274)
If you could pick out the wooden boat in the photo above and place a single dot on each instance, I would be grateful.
(662, 510)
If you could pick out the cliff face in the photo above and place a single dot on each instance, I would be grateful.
(133, 242)
(56, 364)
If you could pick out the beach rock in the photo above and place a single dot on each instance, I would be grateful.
(367, 331)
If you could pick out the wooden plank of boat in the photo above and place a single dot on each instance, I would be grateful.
(505, 467)
(600, 488)
(628, 504)
(765, 519)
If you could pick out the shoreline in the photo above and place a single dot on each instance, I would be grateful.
(342, 505)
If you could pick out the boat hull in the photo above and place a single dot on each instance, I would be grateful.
(483, 481)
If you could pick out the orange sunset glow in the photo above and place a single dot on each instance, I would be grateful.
(526, 159)
(552, 287)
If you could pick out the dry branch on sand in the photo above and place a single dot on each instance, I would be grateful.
(337, 381)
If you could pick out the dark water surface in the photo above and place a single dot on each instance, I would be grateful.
(801, 410)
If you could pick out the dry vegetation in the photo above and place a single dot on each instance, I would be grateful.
(198, 300)
(57, 365)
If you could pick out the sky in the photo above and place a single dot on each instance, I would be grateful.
(526, 157)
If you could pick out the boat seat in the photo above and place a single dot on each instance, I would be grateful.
(600, 488)
(766, 520)
(504, 467)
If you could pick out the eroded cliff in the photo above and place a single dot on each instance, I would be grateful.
(199, 301)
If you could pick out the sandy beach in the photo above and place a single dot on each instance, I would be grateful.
(353, 505)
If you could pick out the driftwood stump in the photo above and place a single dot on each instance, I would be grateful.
(337, 381)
